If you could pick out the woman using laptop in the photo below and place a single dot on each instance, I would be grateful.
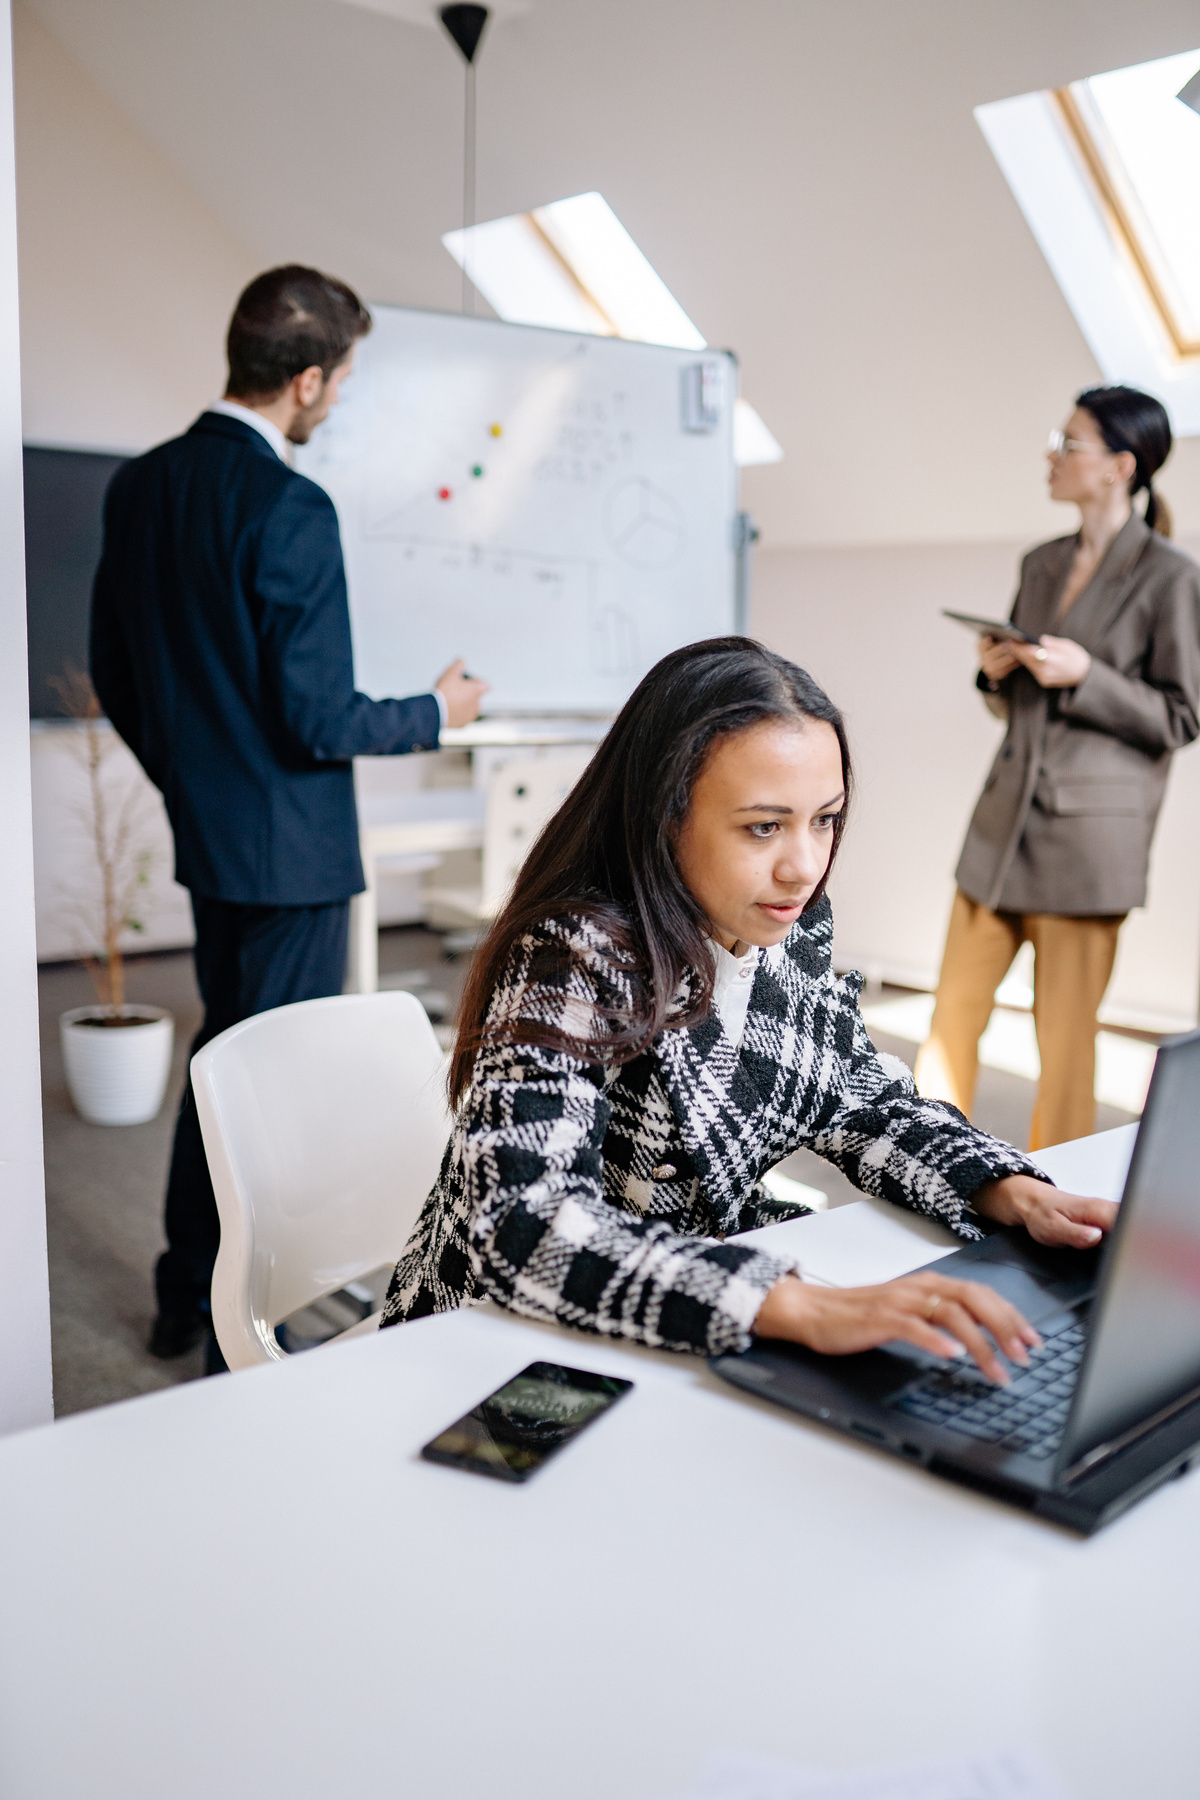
(653, 1022)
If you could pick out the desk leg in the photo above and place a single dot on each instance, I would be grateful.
(364, 933)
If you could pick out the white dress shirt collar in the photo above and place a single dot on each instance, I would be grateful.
(732, 983)
(230, 409)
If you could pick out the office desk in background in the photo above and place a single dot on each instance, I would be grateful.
(426, 824)
(253, 1586)
(431, 822)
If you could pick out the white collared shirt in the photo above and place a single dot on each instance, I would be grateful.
(731, 987)
(733, 984)
(231, 409)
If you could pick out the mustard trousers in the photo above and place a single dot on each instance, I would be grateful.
(1073, 961)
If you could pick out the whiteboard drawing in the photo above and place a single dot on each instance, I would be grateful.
(529, 500)
(643, 524)
(614, 641)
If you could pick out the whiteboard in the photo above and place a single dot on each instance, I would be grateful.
(530, 500)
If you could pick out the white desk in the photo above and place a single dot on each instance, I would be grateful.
(434, 821)
(430, 822)
(252, 1586)
(505, 734)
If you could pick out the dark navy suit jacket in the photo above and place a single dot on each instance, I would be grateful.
(220, 650)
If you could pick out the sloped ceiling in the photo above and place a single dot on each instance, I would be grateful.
(807, 178)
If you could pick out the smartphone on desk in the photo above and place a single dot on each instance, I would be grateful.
(519, 1427)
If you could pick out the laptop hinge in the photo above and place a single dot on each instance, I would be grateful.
(1102, 1452)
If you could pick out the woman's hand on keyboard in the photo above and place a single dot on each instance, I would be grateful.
(1048, 1214)
(948, 1318)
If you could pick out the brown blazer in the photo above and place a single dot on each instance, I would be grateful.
(1068, 810)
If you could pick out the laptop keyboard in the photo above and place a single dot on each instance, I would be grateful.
(1026, 1416)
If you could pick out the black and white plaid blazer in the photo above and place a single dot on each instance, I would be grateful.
(609, 1198)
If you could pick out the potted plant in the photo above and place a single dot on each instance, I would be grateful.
(117, 1056)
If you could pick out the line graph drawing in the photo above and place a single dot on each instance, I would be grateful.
(479, 599)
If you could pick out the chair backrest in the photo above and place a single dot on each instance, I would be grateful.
(324, 1125)
(521, 796)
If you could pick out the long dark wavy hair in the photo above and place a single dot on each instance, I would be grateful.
(608, 853)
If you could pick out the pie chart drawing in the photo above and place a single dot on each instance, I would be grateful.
(643, 524)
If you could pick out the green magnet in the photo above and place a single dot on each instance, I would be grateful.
(477, 470)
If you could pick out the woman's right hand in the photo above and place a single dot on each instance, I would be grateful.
(996, 658)
(947, 1317)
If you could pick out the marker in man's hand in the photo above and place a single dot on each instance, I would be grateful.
(462, 694)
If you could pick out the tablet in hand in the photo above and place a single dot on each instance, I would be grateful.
(993, 628)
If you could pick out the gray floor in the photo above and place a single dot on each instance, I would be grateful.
(104, 1184)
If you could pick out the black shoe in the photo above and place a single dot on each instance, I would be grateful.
(174, 1334)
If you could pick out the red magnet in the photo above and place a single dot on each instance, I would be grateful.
(443, 493)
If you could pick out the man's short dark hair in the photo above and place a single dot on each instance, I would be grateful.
(289, 320)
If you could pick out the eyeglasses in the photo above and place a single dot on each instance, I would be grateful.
(1060, 445)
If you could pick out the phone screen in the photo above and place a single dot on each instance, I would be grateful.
(519, 1427)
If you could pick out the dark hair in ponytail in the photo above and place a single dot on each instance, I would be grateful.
(1130, 420)
(608, 852)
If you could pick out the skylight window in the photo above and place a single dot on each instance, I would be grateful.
(1142, 144)
(752, 442)
(1107, 174)
(573, 266)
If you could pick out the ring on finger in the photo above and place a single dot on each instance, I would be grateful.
(935, 1300)
(1039, 656)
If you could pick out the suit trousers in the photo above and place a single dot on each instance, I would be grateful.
(248, 960)
(1073, 961)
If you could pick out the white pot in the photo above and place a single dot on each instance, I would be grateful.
(117, 1074)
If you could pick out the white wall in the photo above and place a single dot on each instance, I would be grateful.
(126, 283)
(824, 203)
(809, 180)
(70, 914)
(66, 873)
(127, 279)
(25, 1389)
(866, 623)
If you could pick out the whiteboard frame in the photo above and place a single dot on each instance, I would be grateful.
(732, 604)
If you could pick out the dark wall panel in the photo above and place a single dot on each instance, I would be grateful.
(64, 500)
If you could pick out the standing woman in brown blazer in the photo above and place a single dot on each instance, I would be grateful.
(1057, 849)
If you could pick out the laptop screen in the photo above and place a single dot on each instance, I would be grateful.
(1144, 1341)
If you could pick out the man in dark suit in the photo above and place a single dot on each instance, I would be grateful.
(220, 650)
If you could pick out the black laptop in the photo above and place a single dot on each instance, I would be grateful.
(1109, 1408)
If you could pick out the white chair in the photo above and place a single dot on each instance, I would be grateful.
(324, 1126)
